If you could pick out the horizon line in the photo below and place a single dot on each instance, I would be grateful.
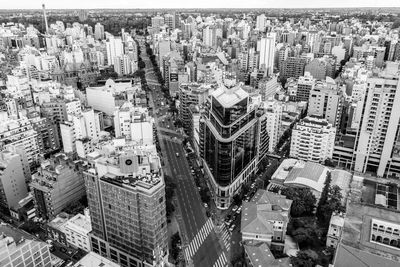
(170, 8)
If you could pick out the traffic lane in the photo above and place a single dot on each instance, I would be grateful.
(189, 184)
(190, 191)
(208, 252)
(184, 201)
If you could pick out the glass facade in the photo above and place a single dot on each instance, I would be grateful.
(229, 139)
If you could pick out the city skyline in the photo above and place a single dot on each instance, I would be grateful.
(158, 4)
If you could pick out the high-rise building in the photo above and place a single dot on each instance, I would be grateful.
(267, 52)
(156, 23)
(115, 49)
(12, 180)
(18, 248)
(305, 84)
(210, 36)
(163, 48)
(191, 94)
(292, 67)
(169, 20)
(133, 123)
(98, 31)
(48, 136)
(20, 133)
(378, 145)
(261, 22)
(173, 65)
(126, 195)
(125, 65)
(273, 111)
(313, 139)
(57, 183)
(233, 139)
(325, 101)
(320, 68)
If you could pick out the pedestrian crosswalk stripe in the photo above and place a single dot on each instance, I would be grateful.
(221, 261)
(198, 240)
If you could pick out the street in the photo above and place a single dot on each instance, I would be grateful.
(200, 243)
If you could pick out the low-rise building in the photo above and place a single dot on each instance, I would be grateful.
(370, 233)
(258, 254)
(77, 231)
(265, 219)
(297, 173)
(335, 229)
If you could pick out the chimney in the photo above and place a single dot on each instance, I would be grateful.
(45, 18)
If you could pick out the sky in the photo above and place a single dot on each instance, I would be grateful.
(90, 4)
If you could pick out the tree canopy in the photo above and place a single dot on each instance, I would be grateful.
(303, 201)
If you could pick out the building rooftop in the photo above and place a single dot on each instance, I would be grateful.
(297, 172)
(16, 234)
(229, 97)
(259, 214)
(79, 223)
(311, 174)
(95, 260)
(356, 248)
(59, 221)
(260, 255)
(350, 256)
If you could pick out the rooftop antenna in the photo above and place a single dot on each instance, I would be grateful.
(45, 18)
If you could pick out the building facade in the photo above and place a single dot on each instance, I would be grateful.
(233, 138)
(313, 139)
(54, 178)
(127, 207)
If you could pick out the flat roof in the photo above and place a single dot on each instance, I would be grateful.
(229, 97)
(95, 260)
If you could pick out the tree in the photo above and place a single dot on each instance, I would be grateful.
(263, 164)
(238, 260)
(141, 64)
(169, 193)
(329, 163)
(396, 24)
(237, 199)
(175, 245)
(332, 203)
(324, 195)
(303, 259)
(305, 236)
(204, 195)
(303, 201)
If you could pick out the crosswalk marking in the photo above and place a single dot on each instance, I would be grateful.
(226, 237)
(221, 261)
(198, 240)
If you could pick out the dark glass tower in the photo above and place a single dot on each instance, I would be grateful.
(231, 135)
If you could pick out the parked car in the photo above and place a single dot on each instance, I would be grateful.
(232, 228)
(239, 210)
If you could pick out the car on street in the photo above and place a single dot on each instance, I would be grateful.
(239, 210)
(235, 208)
(177, 154)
